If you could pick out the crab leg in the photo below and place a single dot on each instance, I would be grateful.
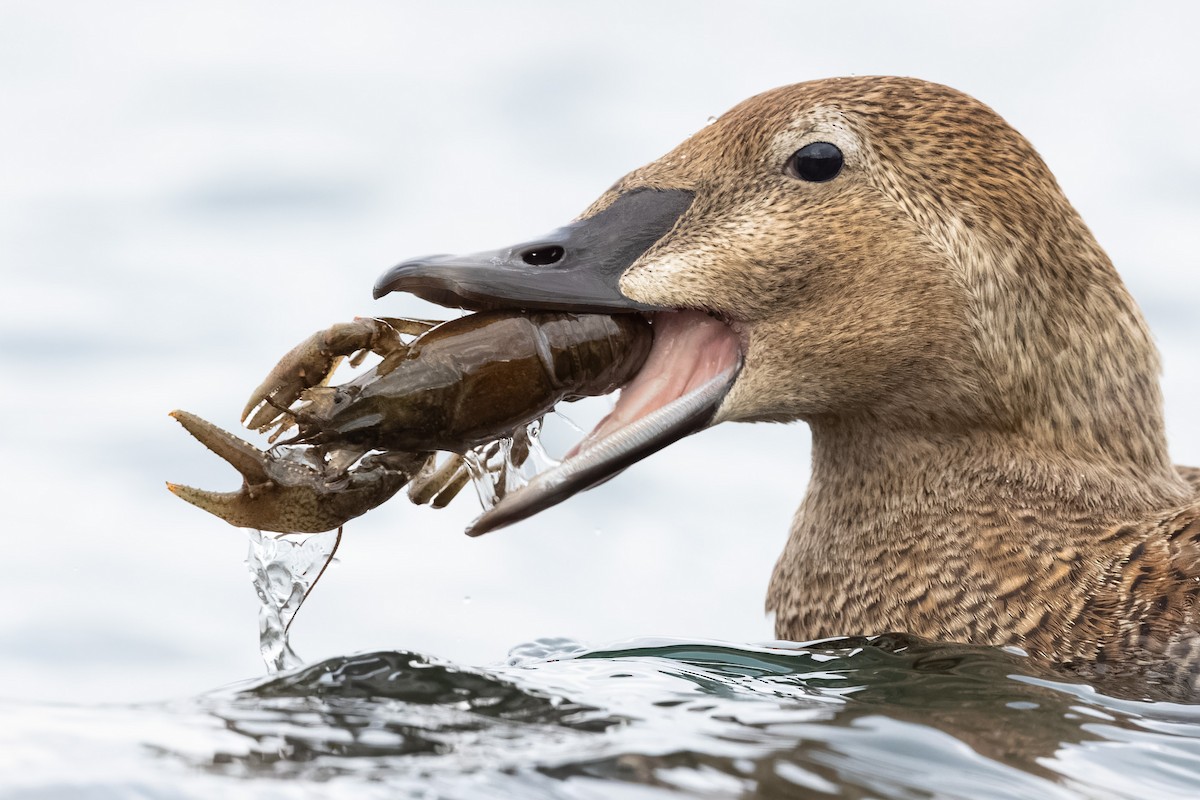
(439, 486)
(313, 361)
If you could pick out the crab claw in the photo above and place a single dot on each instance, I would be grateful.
(289, 496)
(313, 361)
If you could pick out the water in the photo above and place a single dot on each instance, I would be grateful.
(284, 570)
(506, 465)
(891, 717)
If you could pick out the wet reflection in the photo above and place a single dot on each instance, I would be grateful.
(893, 716)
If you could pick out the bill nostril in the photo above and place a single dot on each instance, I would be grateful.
(543, 255)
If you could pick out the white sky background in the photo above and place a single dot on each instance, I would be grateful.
(187, 189)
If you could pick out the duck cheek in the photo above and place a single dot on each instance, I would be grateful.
(794, 370)
(712, 279)
(667, 281)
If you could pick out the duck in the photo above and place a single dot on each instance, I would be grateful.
(890, 262)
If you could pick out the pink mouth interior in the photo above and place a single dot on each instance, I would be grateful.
(690, 348)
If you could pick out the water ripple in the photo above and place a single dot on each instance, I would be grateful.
(893, 716)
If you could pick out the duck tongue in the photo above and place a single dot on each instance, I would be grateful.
(691, 366)
(690, 349)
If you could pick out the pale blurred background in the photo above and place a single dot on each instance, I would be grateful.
(187, 189)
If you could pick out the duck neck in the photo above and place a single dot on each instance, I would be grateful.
(898, 526)
(902, 475)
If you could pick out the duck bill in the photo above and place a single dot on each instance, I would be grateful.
(575, 268)
(692, 364)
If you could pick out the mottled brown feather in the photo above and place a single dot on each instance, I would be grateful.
(989, 462)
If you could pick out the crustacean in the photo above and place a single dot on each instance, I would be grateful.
(463, 384)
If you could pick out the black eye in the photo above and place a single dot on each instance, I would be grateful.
(816, 162)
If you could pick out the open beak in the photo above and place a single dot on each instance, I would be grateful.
(691, 367)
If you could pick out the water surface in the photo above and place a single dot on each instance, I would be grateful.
(892, 717)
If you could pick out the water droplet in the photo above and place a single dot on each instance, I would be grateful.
(569, 422)
(494, 468)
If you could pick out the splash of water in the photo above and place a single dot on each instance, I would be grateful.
(284, 570)
(505, 465)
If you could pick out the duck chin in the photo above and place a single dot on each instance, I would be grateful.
(692, 365)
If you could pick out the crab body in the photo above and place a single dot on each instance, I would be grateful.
(457, 386)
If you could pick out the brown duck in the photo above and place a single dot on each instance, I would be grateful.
(887, 260)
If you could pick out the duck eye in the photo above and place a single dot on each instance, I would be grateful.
(816, 162)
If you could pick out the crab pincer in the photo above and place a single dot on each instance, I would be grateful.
(293, 496)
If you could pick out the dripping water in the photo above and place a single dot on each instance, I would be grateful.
(506, 465)
(284, 570)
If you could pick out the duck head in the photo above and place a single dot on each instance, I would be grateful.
(879, 255)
